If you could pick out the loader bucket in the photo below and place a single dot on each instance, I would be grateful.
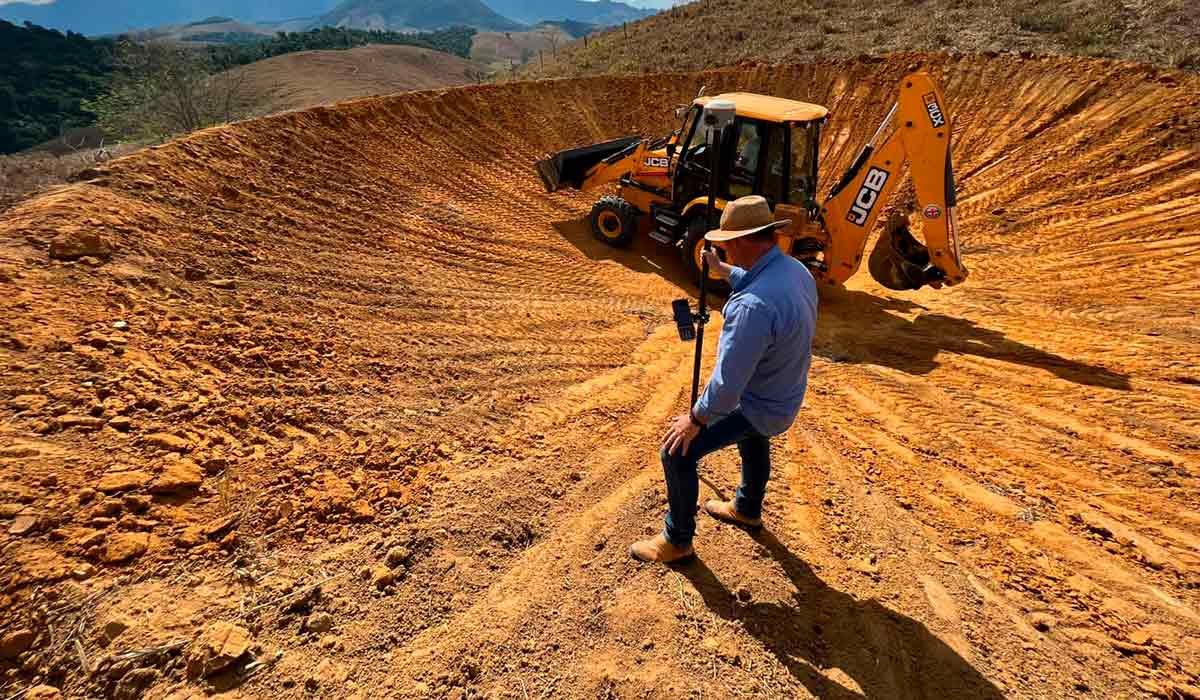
(569, 168)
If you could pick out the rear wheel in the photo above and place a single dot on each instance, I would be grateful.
(693, 246)
(614, 221)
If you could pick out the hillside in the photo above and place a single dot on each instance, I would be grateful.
(726, 32)
(45, 75)
(218, 30)
(291, 81)
(501, 50)
(604, 12)
(308, 78)
(415, 14)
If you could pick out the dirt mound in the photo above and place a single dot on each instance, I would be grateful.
(351, 382)
(309, 78)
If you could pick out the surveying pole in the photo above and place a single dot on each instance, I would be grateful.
(718, 116)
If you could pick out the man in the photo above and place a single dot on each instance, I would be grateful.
(748, 149)
(757, 385)
(745, 168)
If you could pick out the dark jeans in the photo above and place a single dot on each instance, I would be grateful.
(683, 481)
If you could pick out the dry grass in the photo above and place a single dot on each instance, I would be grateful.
(24, 174)
(1044, 18)
(310, 78)
(501, 50)
(712, 33)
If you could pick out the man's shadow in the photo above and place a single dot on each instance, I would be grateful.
(857, 327)
(887, 654)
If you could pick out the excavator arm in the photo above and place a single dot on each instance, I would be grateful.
(917, 130)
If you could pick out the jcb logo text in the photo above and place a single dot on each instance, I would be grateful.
(868, 195)
(657, 162)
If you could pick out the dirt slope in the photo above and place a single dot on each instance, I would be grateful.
(308, 78)
(349, 337)
(716, 33)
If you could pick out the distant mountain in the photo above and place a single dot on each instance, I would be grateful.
(656, 4)
(605, 12)
(213, 30)
(92, 17)
(415, 14)
(96, 17)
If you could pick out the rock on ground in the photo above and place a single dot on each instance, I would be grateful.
(119, 479)
(70, 245)
(15, 643)
(319, 623)
(179, 477)
(115, 627)
(382, 577)
(43, 692)
(169, 442)
(124, 546)
(218, 647)
(398, 555)
(24, 523)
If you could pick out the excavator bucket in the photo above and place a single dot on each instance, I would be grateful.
(569, 168)
(899, 261)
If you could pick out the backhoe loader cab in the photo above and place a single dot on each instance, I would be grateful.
(771, 149)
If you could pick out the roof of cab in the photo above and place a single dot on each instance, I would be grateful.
(775, 109)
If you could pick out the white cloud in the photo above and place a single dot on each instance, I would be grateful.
(27, 2)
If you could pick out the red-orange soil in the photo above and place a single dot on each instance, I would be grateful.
(358, 345)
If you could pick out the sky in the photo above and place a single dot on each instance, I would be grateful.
(657, 4)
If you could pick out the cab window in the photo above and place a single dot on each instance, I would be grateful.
(803, 174)
(775, 175)
(691, 139)
(748, 148)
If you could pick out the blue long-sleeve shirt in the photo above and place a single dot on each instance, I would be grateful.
(766, 345)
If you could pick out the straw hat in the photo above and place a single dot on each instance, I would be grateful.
(744, 216)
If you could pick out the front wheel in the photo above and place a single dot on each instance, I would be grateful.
(693, 247)
(614, 221)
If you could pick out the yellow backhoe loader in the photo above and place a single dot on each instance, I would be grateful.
(771, 149)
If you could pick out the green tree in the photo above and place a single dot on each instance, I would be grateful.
(160, 90)
(44, 74)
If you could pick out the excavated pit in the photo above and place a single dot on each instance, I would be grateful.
(332, 333)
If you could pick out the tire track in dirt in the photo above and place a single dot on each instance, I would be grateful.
(369, 326)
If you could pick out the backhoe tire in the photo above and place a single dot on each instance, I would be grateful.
(614, 221)
(693, 244)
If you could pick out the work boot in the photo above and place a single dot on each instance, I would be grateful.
(658, 549)
(727, 513)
